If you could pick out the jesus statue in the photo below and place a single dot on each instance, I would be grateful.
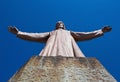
(60, 42)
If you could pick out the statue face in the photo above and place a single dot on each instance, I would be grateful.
(60, 24)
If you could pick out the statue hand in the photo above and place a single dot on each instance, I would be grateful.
(106, 29)
(13, 29)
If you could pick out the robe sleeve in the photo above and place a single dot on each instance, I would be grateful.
(37, 37)
(81, 36)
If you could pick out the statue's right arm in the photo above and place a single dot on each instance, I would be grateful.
(38, 37)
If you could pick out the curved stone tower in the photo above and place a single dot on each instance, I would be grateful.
(62, 69)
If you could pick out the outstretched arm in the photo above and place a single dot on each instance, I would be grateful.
(38, 37)
(81, 36)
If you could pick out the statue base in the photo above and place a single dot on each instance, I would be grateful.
(62, 69)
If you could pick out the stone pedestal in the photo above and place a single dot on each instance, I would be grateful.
(62, 69)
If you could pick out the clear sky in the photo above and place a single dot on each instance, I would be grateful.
(42, 15)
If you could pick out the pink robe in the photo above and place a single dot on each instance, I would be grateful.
(60, 42)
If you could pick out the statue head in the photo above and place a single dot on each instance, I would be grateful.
(60, 25)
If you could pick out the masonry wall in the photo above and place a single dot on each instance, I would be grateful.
(62, 69)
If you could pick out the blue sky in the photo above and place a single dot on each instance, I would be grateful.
(41, 16)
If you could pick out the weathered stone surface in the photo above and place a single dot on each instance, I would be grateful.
(62, 69)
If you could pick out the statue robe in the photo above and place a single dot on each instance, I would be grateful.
(60, 42)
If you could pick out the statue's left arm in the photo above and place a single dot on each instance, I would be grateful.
(81, 36)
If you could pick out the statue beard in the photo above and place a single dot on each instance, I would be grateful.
(60, 26)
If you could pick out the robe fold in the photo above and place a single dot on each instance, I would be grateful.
(60, 42)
